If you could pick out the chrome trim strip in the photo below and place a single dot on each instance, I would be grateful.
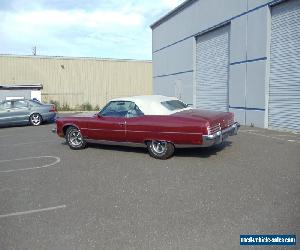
(165, 132)
(116, 143)
(208, 140)
(99, 129)
(138, 145)
(140, 131)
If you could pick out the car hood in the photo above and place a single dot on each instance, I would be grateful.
(85, 114)
(75, 117)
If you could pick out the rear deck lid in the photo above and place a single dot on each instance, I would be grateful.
(225, 119)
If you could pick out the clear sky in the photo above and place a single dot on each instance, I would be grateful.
(85, 28)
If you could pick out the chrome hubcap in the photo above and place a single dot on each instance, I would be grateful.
(159, 146)
(35, 119)
(75, 138)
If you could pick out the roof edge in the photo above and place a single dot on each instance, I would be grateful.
(20, 86)
(172, 13)
(74, 58)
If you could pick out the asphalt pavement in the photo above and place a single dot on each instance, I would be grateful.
(113, 197)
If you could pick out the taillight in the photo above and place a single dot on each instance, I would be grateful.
(52, 109)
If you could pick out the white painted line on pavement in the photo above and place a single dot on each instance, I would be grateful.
(32, 211)
(57, 160)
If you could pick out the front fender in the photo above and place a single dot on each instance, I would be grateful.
(65, 127)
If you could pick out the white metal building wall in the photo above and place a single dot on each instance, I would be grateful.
(212, 67)
(17, 93)
(284, 88)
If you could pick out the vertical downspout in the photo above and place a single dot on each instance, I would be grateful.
(194, 70)
(246, 70)
(268, 65)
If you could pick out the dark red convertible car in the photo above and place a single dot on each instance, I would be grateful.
(161, 123)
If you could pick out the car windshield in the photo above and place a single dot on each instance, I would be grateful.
(174, 105)
(121, 109)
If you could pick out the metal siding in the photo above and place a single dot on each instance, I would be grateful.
(174, 59)
(166, 86)
(212, 67)
(197, 17)
(79, 80)
(284, 89)
(14, 93)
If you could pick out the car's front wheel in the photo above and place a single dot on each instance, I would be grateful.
(35, 119)
(160, 149)
(75, 139)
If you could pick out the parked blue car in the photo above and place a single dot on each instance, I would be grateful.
(18, 112)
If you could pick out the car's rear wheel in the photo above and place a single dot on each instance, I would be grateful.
(75, 139)
(35, 119)
(160, 149)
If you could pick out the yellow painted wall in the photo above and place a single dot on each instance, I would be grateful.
(78, 80)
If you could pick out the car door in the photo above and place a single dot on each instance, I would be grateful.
(136, 125)
(19, 111)
(109, 124)
(5, 116)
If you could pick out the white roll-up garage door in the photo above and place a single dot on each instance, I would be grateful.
(212, 67)
(284, 88)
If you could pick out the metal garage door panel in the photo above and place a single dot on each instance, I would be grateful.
(284, 88)
(212, 67)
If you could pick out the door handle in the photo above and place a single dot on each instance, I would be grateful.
(121, 124)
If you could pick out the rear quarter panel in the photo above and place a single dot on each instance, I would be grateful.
(178, 130)
(43, 110)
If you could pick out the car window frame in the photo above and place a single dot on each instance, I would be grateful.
(10, 107)
(101, 113)
(138, 110)
(21, 107)
(123, 116)
(166, 104)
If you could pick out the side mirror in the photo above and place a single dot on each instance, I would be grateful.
(98, 115)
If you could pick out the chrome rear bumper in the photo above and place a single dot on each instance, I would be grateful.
(220, 136)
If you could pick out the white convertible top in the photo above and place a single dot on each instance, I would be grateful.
(150, 104)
